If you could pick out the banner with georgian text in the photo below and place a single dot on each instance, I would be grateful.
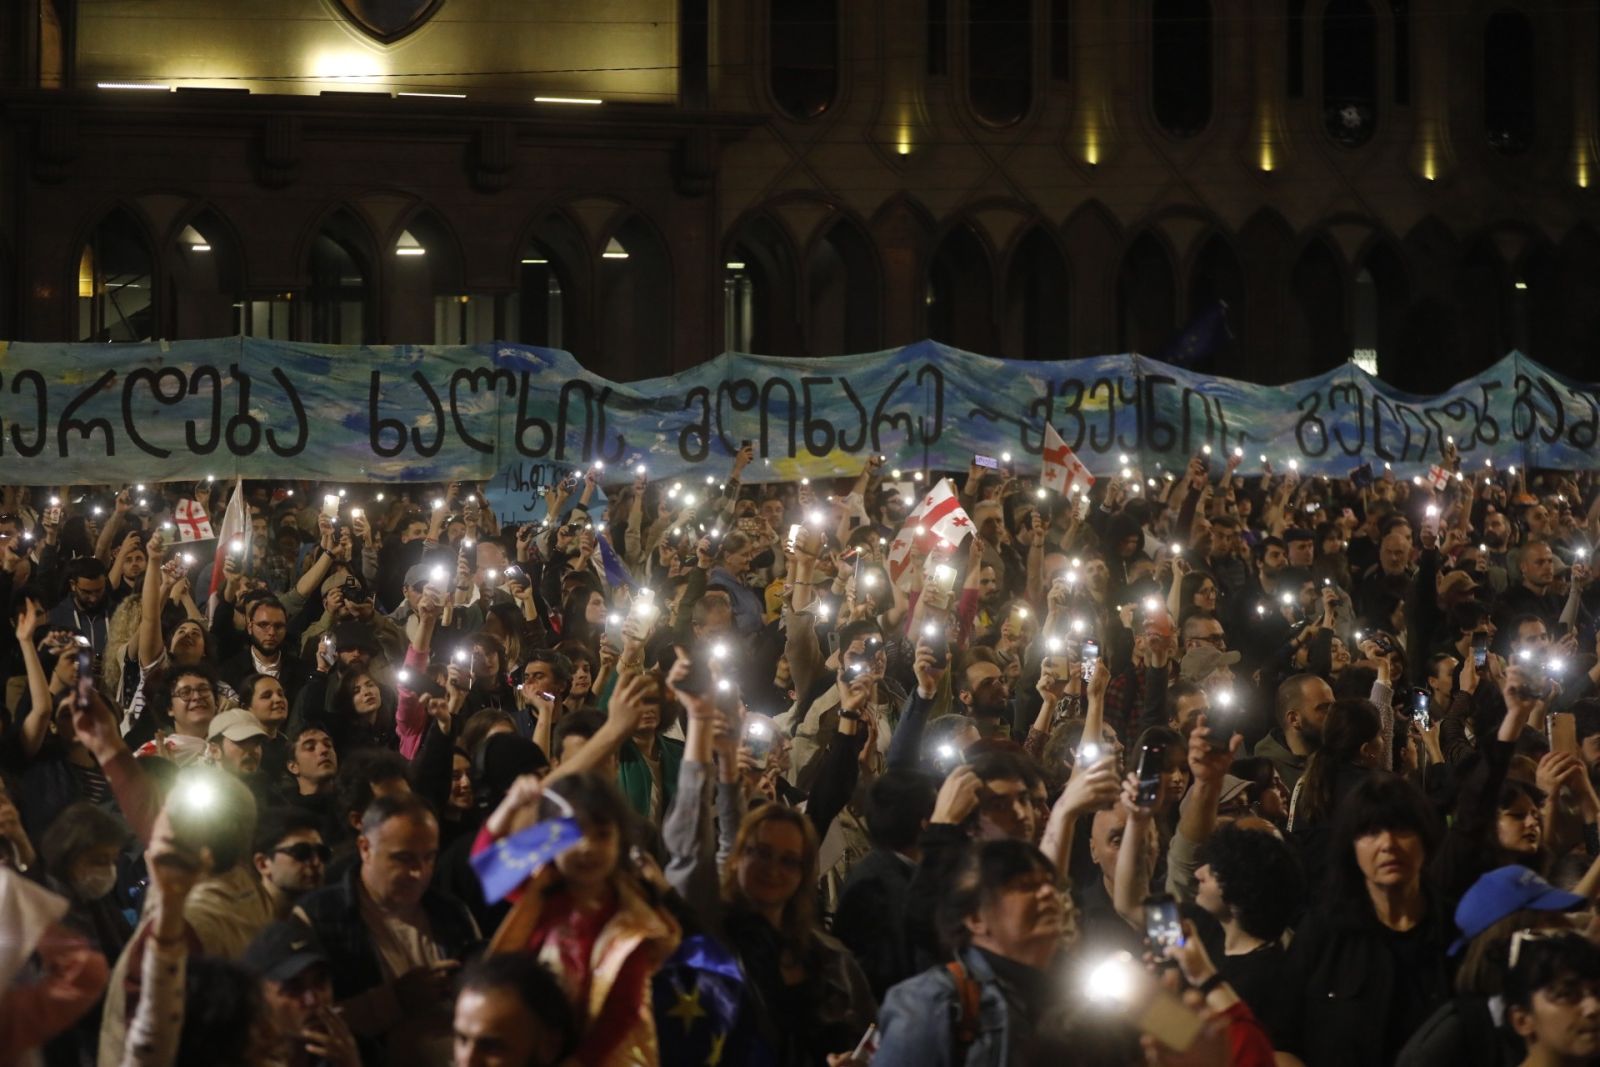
(515, 416)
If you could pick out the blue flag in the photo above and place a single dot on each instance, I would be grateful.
(1202, 336)
(704, 1012)
(509, 862)
(616, 573)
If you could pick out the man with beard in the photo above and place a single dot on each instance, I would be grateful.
(981, 690)
(236, 736)
(86, 609)
(266, 631)
(1271, 557)
(1392, 575)
(1497, 533)
(890, 514)
(297, 995)
(1300, 709)
(1224, 560)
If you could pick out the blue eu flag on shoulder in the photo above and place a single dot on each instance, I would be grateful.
(1203, 335)
(616, 573)
(704, 1014)
(510, 861)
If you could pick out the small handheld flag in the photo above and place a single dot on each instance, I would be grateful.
(510, 861)
(1063, 469)
(616, 573)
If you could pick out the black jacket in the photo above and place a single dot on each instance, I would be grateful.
(1354, 1000)
(1462, 1033)
(871, 919)
(334, 914)
(293, 672)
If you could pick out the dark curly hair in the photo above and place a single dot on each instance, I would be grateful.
(1260, 877)
(1544, 961)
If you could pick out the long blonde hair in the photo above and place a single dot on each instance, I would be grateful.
(800, 913)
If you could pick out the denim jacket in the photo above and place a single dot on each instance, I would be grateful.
(916, 1024)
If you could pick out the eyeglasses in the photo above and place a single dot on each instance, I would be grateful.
(193, 692)
(305, 852)
(766, 854)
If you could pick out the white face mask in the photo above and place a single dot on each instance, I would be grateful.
(95, 883)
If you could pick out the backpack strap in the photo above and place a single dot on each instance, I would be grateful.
(964, 1026)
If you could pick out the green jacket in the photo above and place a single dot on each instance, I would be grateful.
(633, 774)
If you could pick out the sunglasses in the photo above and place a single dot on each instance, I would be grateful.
(305, 852)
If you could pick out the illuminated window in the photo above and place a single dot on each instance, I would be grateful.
(116, 283)
(206, 280)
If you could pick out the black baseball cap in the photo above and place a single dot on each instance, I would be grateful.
(282, 950)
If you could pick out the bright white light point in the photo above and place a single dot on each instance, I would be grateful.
(199, 795)
(1110, 980)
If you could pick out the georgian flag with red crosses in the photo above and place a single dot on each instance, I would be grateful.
(1062, 468)
(938, 517)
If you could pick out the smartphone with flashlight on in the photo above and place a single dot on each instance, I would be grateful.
(1091, 653)
(947, 757)
(1218, 735)
(1421, 707)
(1163, 926)
(857, 669)
(698, 680)
(759, 737)
(935, 637)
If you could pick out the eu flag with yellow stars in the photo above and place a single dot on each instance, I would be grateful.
(509, 862)
(704, 1017)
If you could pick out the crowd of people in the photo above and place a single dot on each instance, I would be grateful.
(1188, 768)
